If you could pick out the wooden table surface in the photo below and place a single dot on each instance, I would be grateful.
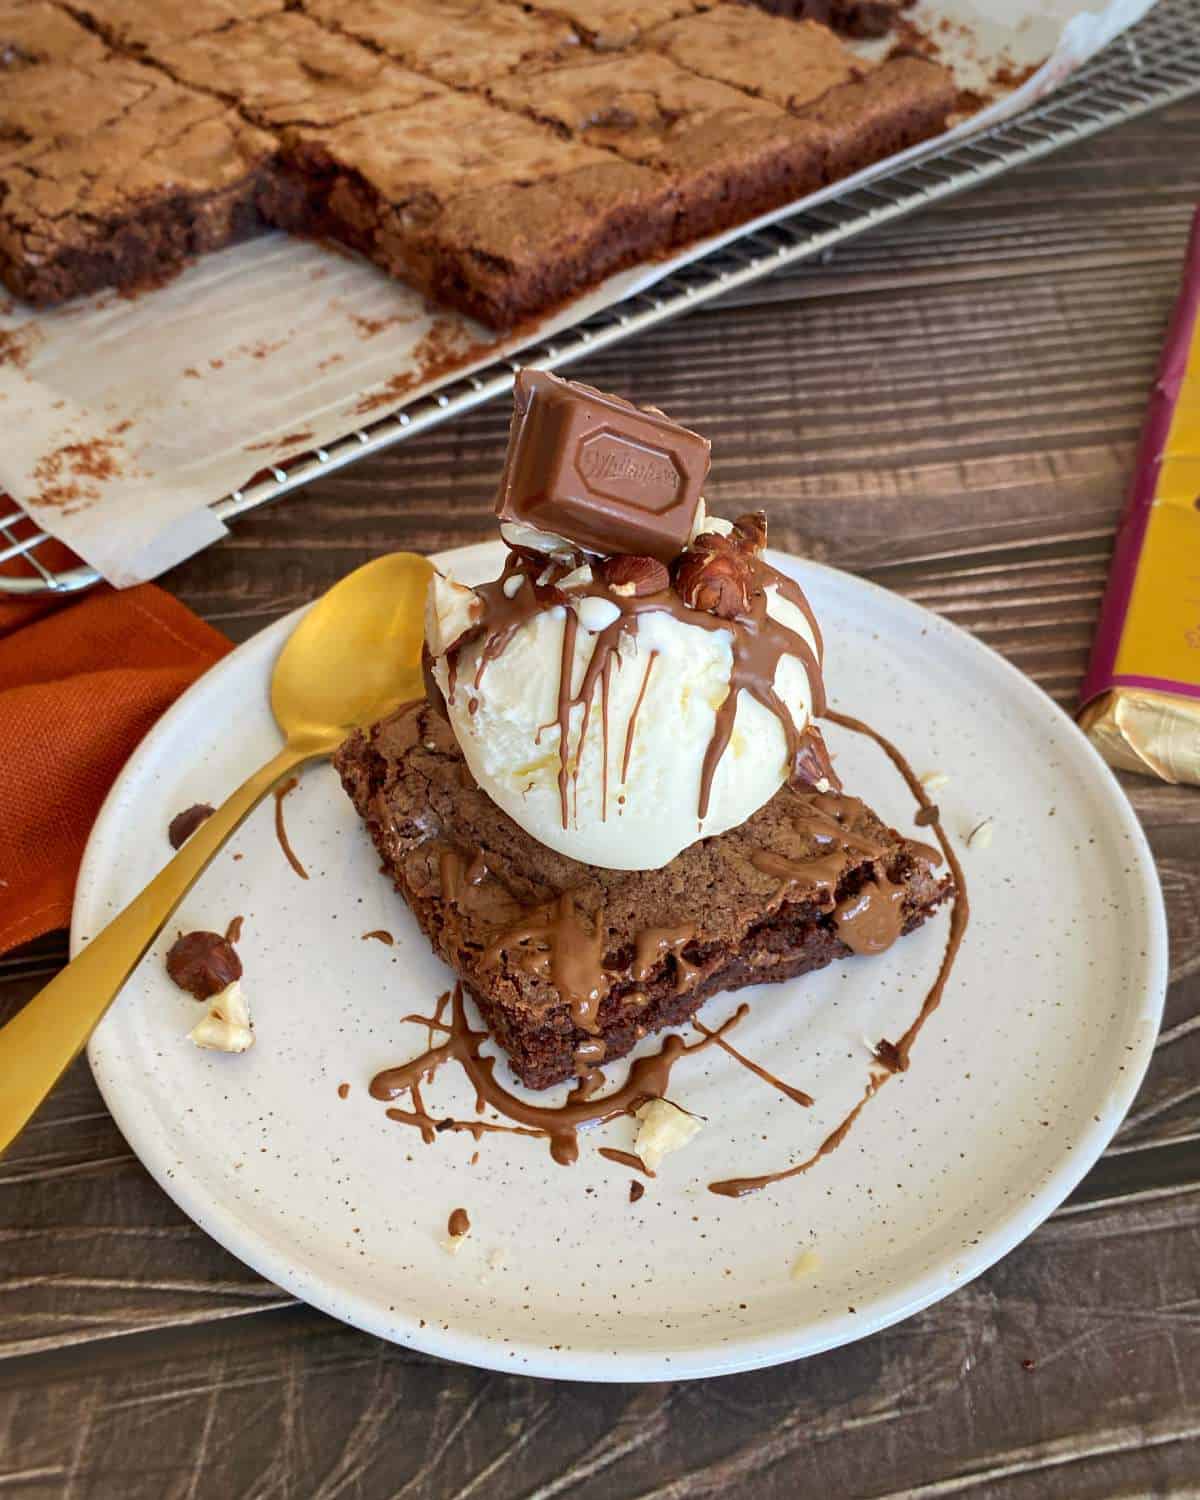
(950, 409)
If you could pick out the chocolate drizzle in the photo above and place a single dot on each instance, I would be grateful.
(648, 1079)
(757, 640)
(281, 792)
(553, 942)
(893, 1056)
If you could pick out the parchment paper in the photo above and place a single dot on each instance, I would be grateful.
(122, 419)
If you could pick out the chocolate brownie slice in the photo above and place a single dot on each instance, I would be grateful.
(143, 26)
(729, 155)
(461, 42)
(608, 24)
(807, 879)
(34, 31)
(286, 70)
(112, 175)
(863, 113)
(477, 206)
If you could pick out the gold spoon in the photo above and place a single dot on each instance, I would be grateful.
(354, 657)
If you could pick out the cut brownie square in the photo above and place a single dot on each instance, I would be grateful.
(34, 31)
(607, 24)
(730, 156)
(143, 26)
(460, 42)
(285, 70)
(780, 895)
(112, 175)
(479, 207)
(863, 113)
(791, 63)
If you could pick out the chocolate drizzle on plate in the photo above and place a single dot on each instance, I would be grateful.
(648, 1079)
(893, 1056)
(281, 792)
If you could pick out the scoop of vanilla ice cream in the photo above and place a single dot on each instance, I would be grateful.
(664, 693)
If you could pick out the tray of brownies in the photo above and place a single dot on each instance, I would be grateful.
(245, 241)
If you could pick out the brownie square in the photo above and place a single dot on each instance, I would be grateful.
(112, 175)
(607, 24)
(760, 903)
(863, 113)
(143, 26)
(34, 31)
(285, 70)
(461, 42)
(479, 207)
(729, 155)
(790, 63)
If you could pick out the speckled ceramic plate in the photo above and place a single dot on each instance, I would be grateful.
(1016, 1084)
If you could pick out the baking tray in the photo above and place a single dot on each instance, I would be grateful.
(1155, 63)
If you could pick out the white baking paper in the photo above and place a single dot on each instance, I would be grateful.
(122, 419)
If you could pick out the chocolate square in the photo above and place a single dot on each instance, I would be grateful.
(599, 471)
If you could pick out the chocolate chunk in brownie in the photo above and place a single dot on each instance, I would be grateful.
(477, 206)
(460, 42)
(34, 31)
(112, 175)
(143, 26)
(608, 24)
(729, 155)
(799, 884)
(286, 70)
(853, 17)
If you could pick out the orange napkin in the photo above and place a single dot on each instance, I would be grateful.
(79, 687)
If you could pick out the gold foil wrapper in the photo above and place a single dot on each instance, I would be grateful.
(1141, 729)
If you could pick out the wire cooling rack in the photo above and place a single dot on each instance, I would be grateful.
(1155, 63)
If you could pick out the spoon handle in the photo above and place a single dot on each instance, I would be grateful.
(43, 1039)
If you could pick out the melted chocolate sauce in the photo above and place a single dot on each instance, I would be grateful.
(281, 792)
(648, 1079)
(797, 1096)
(625, 1159)
(553, 942)
(458, 1224)
(233, 933)
(894, 1055)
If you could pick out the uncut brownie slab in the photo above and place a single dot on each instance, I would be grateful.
(34, 31)
(729, 155)
(461, 42)
(477, 206)
(768, 900)
(112, 175)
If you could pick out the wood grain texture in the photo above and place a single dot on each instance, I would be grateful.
(948, 408)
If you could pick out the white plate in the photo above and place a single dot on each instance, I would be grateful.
(1016, 1084)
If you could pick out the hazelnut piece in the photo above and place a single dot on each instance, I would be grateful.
(633, 576)
(203, 963)
(714, 575)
